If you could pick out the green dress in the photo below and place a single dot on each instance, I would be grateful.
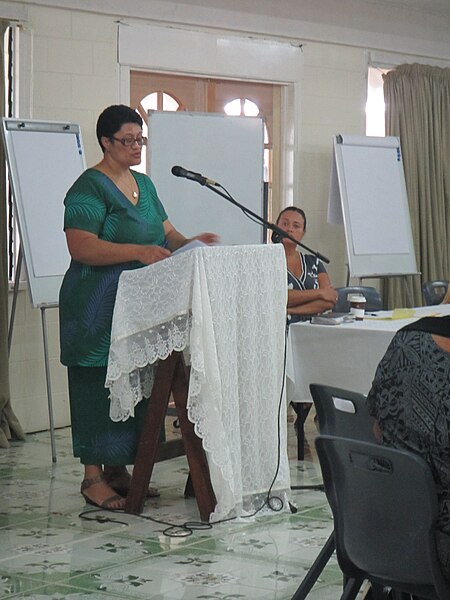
(86, 304)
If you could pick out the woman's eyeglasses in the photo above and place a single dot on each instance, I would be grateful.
(129, 141)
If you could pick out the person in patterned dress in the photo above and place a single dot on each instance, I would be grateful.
(113, 221)
(309, 288)
(410, 401)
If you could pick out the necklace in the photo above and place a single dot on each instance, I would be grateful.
(124, 184)
(129, 184)
(127, 188)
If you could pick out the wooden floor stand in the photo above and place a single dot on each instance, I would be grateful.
(171, 377)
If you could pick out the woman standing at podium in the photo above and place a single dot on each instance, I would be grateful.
(309, 288)
(113, 221)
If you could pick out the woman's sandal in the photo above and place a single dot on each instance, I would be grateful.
(106, 504)
(120, 483)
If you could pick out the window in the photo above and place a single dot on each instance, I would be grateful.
(241, 106)
(153, 101)
(12, 232)
(375, 108)
(248, 108)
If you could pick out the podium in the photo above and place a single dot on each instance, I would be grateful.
(223, 309)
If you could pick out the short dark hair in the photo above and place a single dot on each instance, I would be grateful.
(112, 119)
(300, 211)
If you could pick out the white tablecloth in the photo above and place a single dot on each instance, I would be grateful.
(345, 355)
(227, 307)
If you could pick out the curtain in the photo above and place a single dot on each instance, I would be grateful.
(9, 425)
(417, 101)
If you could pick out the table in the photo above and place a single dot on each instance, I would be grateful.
(225, 307)
(344, 355)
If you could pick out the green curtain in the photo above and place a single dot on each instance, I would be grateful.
(9, 425)
(417, 101)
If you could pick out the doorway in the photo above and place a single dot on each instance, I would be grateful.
(157, 91)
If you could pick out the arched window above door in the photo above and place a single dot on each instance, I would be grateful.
(247, 108)
(242, 106)
(153, 101)
(159, 101)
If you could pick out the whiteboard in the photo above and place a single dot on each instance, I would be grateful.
(228, 150)
(368, 177)
(44, 159)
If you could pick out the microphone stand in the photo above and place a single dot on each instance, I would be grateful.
(213, 187)
(267, 224)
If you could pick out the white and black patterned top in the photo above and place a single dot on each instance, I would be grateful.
(311, 267)
(410, 398)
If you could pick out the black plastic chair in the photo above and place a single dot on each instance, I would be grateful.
(341, 413)
(384, 504)
(434, 291)
(372, 296)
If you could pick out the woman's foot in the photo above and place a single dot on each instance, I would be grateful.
(97, 492)
(119, 480)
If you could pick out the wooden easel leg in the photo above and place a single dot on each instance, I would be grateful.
(198, 465)
(148, 444)
(189, 488)
(171, 376)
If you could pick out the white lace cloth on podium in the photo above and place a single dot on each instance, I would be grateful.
(227, 307)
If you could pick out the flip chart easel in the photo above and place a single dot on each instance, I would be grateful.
(228, 149)
(368, 195)
(44, 159)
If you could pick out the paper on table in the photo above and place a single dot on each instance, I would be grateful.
(189, 246)
(396, 314)
(403, 313)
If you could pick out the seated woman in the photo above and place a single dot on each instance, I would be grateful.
(310, 290)
(410, 400)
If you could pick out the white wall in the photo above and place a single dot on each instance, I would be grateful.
(75, 74)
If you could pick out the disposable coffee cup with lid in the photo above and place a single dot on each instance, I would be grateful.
(357, 306)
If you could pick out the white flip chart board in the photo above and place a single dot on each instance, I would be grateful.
(225, 149)
(368, 178)
(44, 159)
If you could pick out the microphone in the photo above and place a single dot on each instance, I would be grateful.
(276, 237)
(180, 172)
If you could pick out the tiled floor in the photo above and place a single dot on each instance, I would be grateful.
(48, 551)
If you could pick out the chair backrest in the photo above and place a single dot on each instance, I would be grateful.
(434, 291)
(342, 413)
(384, 505)
(372, 296)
